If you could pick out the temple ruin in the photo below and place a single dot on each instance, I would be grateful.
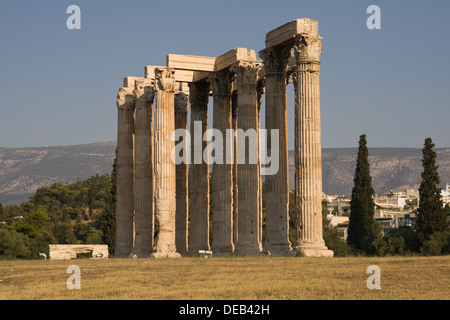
(156, 194)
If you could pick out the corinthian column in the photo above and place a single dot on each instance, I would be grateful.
(143, 203)
(308, 152)
(181, 215)
(199, 169)
(277, 185)
(234, 119)
(222, 175)
(125, 185)
(165, 197)
(248, 158)
(261, 90)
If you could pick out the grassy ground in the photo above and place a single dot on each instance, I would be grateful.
(226, 278)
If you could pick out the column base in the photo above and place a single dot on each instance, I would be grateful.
(247, 250)
(143, 253)
(313, 249)
(222, 250)
(165, 255)
(122, 252)
(193, 252)
(139, 255)
(278, 249)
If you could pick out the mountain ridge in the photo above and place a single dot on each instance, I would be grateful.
(24, 170)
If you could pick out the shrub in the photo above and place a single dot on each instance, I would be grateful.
(13, 245)
(334, 241)
(439, 243)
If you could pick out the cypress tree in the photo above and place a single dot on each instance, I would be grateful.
(362, 229)
(431, 217)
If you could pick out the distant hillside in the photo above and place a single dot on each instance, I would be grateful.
(24, 170)
(391, 168)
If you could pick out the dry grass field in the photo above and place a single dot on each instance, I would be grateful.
(228, 278)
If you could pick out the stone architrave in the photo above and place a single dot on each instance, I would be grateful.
(248, 158)
(222, 174)
(308, 152)
(277, 185)
(144, 93)
(181, 213)
(199, 169)
(125, 172)
(165, 184)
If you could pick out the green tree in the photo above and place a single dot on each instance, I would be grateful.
(2, 213)
(94, 237)
(13, 245)
(332, 236)
(325, 221)
(362, 229)
(447, 208)
(37, 227)
(108, 222)
(431, 216)
(64, 233)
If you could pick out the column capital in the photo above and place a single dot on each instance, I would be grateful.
(246, 72)
(165, 79)
(144, 89)
(199, 93)
(308, 48)
(275, 59)
(125, 99)
(181, 102)
(221, 82)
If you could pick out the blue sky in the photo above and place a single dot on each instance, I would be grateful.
(58, 86)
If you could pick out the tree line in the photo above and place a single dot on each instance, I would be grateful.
(84, 213)
(79, 213)
(429, 236)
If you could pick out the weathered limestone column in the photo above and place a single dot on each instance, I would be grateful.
(222, 175)
(143, 203)
(182, 202)
(260, 90)
(125, 171)
(277, 185)
(248, 158)
(198, 169)
(234, 119)
(165, 196)
(308, 152)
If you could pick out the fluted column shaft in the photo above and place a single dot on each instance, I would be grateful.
(308, 151)
(261, 91)
(125, 172)
(277, 185)
(199, 169)
(143, 203)
(165, 196)
(248, 181)
(222, 175)
(234, 117)
(181, 213)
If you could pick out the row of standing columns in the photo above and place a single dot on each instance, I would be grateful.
(155, 196)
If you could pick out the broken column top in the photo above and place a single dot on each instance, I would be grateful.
(188, 62)
(129, 82)
(233, 56)
(289, 30)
